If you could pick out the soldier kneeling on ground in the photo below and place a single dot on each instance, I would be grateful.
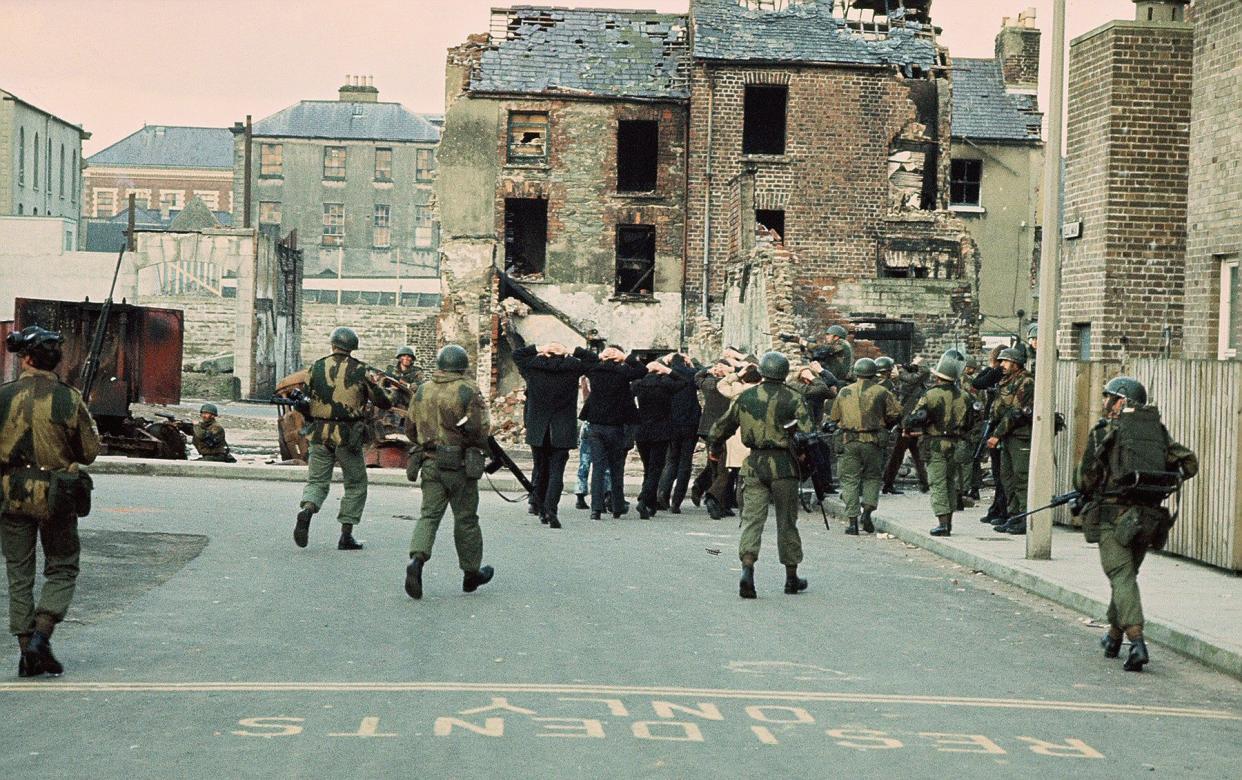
(207, 436)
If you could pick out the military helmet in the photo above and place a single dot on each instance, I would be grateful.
(1128, 388)
(209, 408)
(42, 346)
(864, 368)
(406, 351)
(884, 364)
(955, 354)
(774, 365)
(838, 330)
(949, 368)
(1013, 355)
(345, 338)
(451, 357)
(1033, 331)
(972, 364)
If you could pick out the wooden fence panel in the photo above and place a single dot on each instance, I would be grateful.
(1200, 402)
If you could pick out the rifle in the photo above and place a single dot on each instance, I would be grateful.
(1074, 498)
(296, 400)
(91, 367)
(811, 455)
(983, 440)
(500, 459)
(388, 378)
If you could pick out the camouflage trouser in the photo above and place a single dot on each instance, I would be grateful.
(940, 454)
(963, 459)
(1121, 566)
(441, 489)
(862, 471)
(60, 567)
(319, 478)
(1015, 460)
(757, 493)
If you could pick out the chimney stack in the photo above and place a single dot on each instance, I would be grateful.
(358, 89)
(1017, 52)
(1160, 10)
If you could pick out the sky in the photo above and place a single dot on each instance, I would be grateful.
(113, 65)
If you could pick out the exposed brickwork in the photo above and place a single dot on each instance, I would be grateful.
(1017, 51)
(151, 184)
(1214, 217)
(1126, 176)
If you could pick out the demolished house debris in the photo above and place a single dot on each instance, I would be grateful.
(608, 169)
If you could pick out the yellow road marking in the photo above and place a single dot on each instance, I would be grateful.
(49, 687)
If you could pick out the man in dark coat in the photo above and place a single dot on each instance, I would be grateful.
(551, 375)
(609, 409)
(654, 393)
(714, 407)
(684, 435)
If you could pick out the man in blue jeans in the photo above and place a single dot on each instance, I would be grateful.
(608, 410)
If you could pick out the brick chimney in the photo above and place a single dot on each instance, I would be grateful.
(358, 89)
(1017, 51)
(1160, 10)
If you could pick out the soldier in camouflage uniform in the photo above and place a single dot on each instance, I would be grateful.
(46, 432)
(837, 353)
(939, 420)
(1011, 432)
(967, 466)
(863, 412)
(884, 366)
(449, 426)
(339, 388)
(207, 436)
(767, 414)
(405, 368)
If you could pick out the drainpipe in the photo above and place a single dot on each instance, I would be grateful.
(707, 195)
(246, 195)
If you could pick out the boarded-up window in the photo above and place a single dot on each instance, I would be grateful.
(269, 212)
(635, 259)
(334, 162)
(383, 164)
(424, 227)
(381, 227)
(763, 121)
(333, 224)
(424, 164)
(271, 159)
(528, 137)
(638, 153)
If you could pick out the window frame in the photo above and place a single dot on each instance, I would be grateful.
(424, 227)
(178, 199)
(139, 196)
(37, 153)
(427, 172)
(376, 227)
(1230, 265)
(628, 131)
(384, 174)
(513, 123)
(274, 206)
(338, 235)
(271, 161)
(111, 193)
(21, 156)
(648, 231)
(955, 182)
(327, 150)
(745, 136)
(61, 174)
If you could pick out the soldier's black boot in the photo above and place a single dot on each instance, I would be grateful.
(1017, 529)
(471, 581)
(945, 528)
(853, 529)
(28, 664)
(746, 585)
(301, 530)
(1138, 655)
(414, 578)
(582, 504)
(793, 583)
(867, 525)
(347, 541)
(41, 646)
(1111, 645)
(713, 507)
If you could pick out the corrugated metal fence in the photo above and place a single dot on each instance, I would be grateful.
(1200, 402)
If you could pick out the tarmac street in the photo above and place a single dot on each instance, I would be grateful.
(204, 643)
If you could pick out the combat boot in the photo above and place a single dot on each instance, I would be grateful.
(582, 504)
(713, 507)
(1137, 658)
(41, 646)
(793, 583)
(892, 491)
(471, 580)
(853, 529)
(1111, 645)
(867, 525)
(1017, 529)
(301, 530)
(414, 578)
(746, 585)
(347, 541)
(945, 528)
(28, 664)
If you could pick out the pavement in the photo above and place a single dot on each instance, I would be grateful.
(605, 649)
(1190, 607)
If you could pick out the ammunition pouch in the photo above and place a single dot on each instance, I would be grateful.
(448, 457)
(46, 495)
(473, 462)
(1145, 525)
(70, 493)
(1091, 525)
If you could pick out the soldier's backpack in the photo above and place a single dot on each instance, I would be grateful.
(1138, 459)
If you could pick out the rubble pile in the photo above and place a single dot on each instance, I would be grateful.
(507, 412)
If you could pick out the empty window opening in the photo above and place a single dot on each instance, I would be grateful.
(763, 124)
(635, 259)
(528, 137)
(965, 178)
(526, 235)
(1082, 340)
(771, 219)
(638, 151)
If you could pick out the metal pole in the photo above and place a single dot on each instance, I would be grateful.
(1042, 474)
(246, 195)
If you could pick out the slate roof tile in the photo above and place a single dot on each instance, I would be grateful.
(170, 146)
(336, 119)
(982, 109)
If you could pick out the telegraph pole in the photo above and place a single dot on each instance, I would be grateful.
(1042, 473)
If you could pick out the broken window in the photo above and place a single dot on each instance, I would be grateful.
(965, 177)
(271, 159)
(638, 151)
(763, 123)
(526, 235)
(528, 137)
(635, 259)
(334, 162)
(333, 224)
(772, 219)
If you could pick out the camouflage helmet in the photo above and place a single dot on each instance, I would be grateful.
(972, 364)
(774, 365)
(1128, 388)
(345, 338)
(864, 368)
(406, 351)
(1033, 331)
(209, 409)
(949, 368)
(1013, 355)
(452, 357)
(884, 364)
(838, 330)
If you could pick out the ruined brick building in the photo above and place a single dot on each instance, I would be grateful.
(610, 170)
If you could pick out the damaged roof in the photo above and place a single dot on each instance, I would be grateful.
(808, 31)
(982, 108)
(337, 119)
(595, 52)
